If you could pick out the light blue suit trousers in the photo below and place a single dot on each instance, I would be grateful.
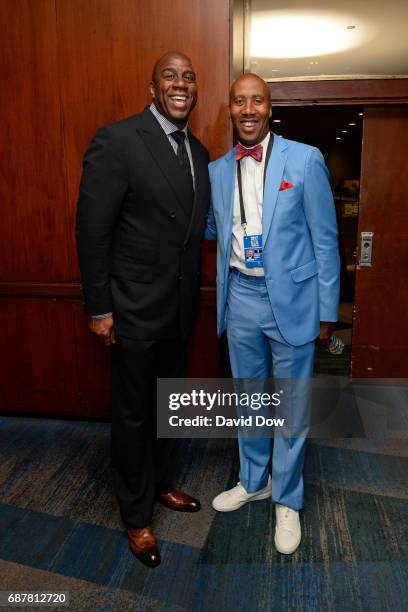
(256, 348)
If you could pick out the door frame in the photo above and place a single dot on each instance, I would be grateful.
(361, 92)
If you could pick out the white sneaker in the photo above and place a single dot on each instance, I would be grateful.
(287, 531)
(237, 497)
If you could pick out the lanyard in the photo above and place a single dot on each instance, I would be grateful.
(241, 199)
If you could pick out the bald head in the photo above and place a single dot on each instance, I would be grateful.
(250, 108)
(165, 59)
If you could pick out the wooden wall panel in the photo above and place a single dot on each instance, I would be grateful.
(38, 370)
(67, 68)
(33, 222)
(106, 51)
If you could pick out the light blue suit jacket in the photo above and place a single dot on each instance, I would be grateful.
(301, 257)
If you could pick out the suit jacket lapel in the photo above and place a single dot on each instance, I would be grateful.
(161, 150)
(274, 173)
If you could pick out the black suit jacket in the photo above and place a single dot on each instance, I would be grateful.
(139, 230)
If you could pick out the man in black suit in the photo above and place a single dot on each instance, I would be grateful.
(143, 200)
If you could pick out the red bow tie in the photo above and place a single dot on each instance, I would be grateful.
(255, 152)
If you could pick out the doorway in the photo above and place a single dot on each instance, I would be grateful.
(337, 131)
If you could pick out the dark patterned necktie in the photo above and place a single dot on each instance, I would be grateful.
(182, 155)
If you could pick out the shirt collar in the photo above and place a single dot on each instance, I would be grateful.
(263, 142)
(166, 125)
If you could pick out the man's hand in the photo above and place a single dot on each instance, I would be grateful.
(326, 331)
(104, 329)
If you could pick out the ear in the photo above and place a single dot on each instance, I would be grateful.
(270, 112)
(151, 89)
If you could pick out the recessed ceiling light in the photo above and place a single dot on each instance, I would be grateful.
(276, 120)
(305, 33)
(352, 123)
(338, 138)
(344, 131)
(360, 114)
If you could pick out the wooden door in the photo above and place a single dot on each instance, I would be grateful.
(380, 328)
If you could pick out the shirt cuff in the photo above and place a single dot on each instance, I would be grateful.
(102, 316)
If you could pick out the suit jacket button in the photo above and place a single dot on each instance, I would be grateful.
(180, 276)
(172, 215)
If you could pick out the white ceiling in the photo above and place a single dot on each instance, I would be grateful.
(376, 46)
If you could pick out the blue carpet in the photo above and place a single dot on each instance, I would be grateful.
(93, 553)
(60, 526)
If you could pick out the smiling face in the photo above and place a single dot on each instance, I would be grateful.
(250, 108)
(174, 88)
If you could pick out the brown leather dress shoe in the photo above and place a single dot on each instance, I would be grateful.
(178, 500)
(143, 545)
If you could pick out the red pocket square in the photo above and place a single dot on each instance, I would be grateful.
(285, 185)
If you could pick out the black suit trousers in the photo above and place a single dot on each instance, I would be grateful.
(139, 459)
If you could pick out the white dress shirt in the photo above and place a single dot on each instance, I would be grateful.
(252, 173)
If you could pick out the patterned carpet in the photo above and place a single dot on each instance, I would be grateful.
(60, 528)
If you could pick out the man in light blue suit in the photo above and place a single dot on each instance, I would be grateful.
(278, 266)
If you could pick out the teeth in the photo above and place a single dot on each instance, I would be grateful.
(179, 98)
